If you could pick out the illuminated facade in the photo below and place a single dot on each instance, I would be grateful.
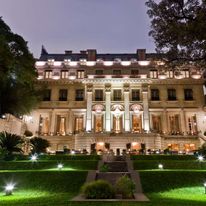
(119, 102)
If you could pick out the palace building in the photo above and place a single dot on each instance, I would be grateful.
(118, 101)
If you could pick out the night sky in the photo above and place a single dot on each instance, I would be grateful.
(106, 25)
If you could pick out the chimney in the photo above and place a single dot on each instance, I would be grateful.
(68, 51)
(91, 54)
(141, 54)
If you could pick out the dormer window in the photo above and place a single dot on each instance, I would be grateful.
(50, 62)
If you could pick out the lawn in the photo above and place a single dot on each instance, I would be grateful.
(42, 184)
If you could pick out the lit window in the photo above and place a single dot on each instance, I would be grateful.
(135, 95)
(79, 95)
(186, 73)
(98, 95)
(64, 74)
(48, 74)
(170, 74)
(117, 95)
(63, 95)
(80, 74)
(153, 74)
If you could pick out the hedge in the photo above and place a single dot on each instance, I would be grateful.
(28, 165)
(153, 181)
(163, 157)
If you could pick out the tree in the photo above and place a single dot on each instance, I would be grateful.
(178, 28)
(10, 143)
(39, 145)
(18, 93)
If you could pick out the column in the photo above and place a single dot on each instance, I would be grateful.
(164, 121)
(89, 108)
(126, 108)
(182, 121)
(70, 122)
(145, 107)
(52, 125)
(108, 107)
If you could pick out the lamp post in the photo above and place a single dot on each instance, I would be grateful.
(9, 189)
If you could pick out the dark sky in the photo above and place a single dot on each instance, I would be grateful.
(106, 25)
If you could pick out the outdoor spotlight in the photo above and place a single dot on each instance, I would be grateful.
(72, 152)
(34, 158)
(200, 158)
(60, 166)
(205, 187)
(9, 189)
(160, 166)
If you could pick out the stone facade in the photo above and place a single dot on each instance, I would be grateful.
(119, 102)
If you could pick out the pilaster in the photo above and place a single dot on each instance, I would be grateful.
(145, 107)
(89, 108)
(108, 107)
(126, 108)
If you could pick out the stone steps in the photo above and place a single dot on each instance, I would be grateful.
(117, 166)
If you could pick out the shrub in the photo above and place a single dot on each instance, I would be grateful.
(39, 145)
(99, 189)
(125, 186)
(104, 168)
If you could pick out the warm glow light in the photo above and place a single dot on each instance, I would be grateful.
(72, 77)
(73, 152)
(73, 64)
(40, 77)
(196, 76)
(143, 76)
(108, 63)
(100, 143)
(162, 76)
(40, 63)
(57, 63)
(125, 63)
(134, 143)
(90, 63)
(143, 63)
(56, 77)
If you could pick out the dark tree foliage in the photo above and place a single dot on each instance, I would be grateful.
(39, 145)
(178, 28)
(18, 95)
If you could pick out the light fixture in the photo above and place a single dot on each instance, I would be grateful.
(9, 188)
(60, 166)
(200, 158)
(73, 152)
(160, 166)
(196, 75)
(205, 187)
(33, 158)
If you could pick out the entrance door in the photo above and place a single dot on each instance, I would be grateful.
(136, 123)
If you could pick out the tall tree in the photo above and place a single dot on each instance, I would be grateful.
(18, 94)
(178, 28)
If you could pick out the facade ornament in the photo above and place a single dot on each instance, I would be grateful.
(107, 87)
(126, 87)
(144, 87)
(89, 87)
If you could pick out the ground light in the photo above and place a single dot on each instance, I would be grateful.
(160, 166)
(200, 158)
(9, 189)
(33, 158)
(205, 187)
(60, 166)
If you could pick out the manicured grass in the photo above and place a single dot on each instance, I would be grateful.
(29, 165)
(163, 157)
(169, 164)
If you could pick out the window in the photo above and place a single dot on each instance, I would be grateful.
(155, 94)
(79, 95)
(99, 72)
(171, 94)
(153, 74)
(117, 95)
(80, 74)
(186, 73)
(78, 124)
(134, 72)
(63, 95)
(135, 95)
(48, 74)
(170, 74)
(174, 123)
(61, 125)
(117, 72)
(98, 95)
(192, 125)
(188, 94)
(64, 74)
(47, 95)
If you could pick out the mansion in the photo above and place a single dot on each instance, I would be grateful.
(118, 101)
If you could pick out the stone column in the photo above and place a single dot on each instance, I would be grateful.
(145, 107)
(70, 122)
(182, 121)
(52, 125)
(108, 107)
(126, 108)
(89, 108)
(164, 121)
